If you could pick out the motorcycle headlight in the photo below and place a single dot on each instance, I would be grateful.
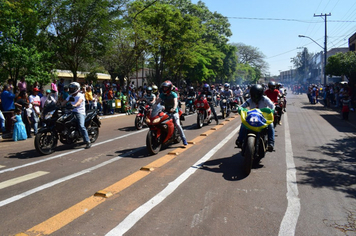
(148, 120)
(157, 120)
(198, 104)
(224, 100)
(202, 104)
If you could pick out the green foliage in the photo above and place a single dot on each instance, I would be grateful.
(342, 64)
(21, 44)
(303, 64)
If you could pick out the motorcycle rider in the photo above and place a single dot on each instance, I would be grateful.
(155, 90)
(257, 100)
(191, 93)
(238, 94)
(77, 100)
(170, 99)
(228, 94)
(209, 97)
(149, 96)
(272, 93)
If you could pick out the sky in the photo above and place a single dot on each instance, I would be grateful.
(273, 26)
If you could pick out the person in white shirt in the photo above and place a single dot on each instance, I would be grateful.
(77, 100)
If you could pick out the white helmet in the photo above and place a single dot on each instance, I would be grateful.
(73, 88)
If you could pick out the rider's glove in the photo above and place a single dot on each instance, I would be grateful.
(172, 110)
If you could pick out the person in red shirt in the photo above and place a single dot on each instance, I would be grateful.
(272, 93)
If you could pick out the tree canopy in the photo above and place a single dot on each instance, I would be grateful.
(342, 64)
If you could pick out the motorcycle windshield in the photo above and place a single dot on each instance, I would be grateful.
(156, 109)
(256, 119)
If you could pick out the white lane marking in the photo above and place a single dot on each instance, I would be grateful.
(61, 180)
(291, 215)
(21, 179)
(70, 152)
(140, 212)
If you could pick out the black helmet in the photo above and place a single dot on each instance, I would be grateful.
(256, 92)
(271, 84)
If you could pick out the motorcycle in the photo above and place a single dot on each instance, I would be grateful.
(204, 114)
(162, 130)
(189, 105)
(61, 123)
(225, 106)
(143, 107)
(255, 142)
(279, 111)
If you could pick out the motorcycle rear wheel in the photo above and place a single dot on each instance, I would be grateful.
(138, 122)
(249, 155)
(153, 144)
(45, 143)
(93, 131)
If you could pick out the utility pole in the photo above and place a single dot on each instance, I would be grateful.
(325, 42)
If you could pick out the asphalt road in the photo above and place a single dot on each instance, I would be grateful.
(305, 187)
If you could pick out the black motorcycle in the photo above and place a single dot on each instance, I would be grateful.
(225, 106)
(60, 122)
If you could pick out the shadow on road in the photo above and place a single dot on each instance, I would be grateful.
(337, 172)
(230, 167)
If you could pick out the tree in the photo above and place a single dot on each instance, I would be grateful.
(81, 30)
(251, 62)
(22, 49)
(303, 63)
(342, 64)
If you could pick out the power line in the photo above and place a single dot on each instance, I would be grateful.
(281, 19)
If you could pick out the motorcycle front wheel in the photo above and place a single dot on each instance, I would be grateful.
(93, 131)
(153, 144)
(200, 120)
(223, 113)
(138, 122)
(46, 142)
(249, 155)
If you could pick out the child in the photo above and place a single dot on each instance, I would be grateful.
(345, 107)
(19, 127)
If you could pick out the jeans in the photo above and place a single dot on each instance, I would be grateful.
(81, 122)
(270, 132)
(213, 111)
(2, 122)
(178, 126)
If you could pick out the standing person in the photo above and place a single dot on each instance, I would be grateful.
(170, 100)
(60, 87)
(77, 100)
(22, 85)
(26, 118)
(19, 127)
(35, 101)
(88, 98)
(346, 104)
(8, 106)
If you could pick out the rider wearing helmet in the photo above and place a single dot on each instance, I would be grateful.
(170, 99)
(272, 93)
(238, 94)
(257, 100)
(155, 90)
(149, 96)
(77, 100)
(209, 96)
(227, 92)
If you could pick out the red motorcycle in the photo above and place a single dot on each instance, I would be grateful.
(162, 129)
(203, 111)
(143, 107)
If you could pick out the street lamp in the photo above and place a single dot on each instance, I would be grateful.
(325, 51)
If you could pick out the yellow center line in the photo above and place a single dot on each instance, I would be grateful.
(67, 216)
